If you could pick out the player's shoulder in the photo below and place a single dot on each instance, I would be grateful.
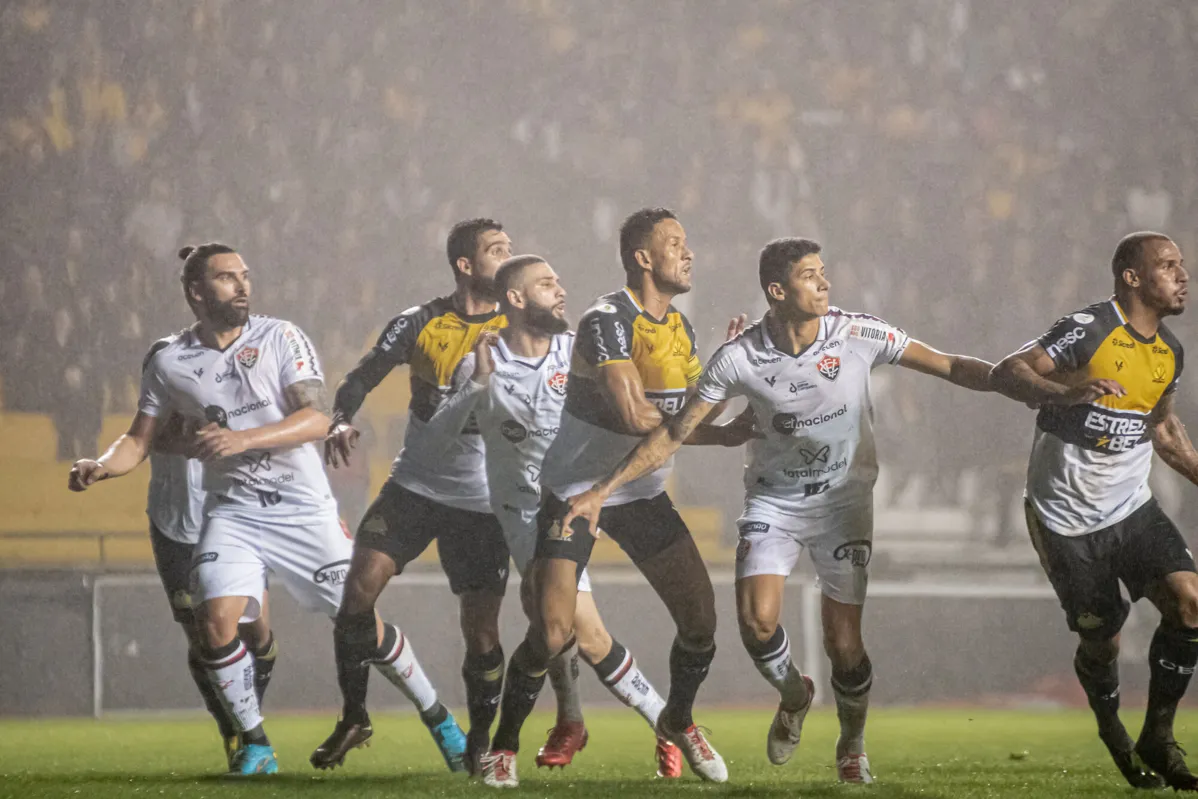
(412, 320)
(1103, 316)
(616, 305)
(851, 322)
(746, 347)
(164, 348)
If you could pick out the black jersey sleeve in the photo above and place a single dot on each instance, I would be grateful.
(1073, 339)
(604, 335)
(394, 347)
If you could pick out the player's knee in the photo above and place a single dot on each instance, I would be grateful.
(217, 629)
(844, 646)
(594, 641)
(1186, 606)
(1099, 650)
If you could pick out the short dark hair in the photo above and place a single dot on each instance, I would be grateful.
(635, 233)
(463, 239)
(1127, 252)
(510, 271)
(779, 255)
(195, 260)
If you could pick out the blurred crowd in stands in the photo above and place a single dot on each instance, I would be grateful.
(968, 166)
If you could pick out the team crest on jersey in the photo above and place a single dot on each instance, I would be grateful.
(829, 366)
(248, 357)
(557, 381)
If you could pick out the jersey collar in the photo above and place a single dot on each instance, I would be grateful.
(768, 343)
(193, 340)
(1131, 331)
(641, 309)
(507, 356)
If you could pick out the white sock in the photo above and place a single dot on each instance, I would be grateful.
(777, 666)
(620, 674)
(400, 667)
(233, 677)
(563, 675)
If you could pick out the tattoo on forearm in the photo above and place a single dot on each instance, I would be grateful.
(308, 394)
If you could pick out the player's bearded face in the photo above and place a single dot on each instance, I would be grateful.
(545, 301)
(670, 257)
(494, 247)
(1164, 281)
(225, 291)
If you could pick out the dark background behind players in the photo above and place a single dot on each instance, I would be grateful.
(968, 166)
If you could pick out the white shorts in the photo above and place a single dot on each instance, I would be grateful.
(520, 533)
(840, 545)
(310, 554)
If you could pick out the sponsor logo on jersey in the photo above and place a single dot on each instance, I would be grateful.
(831, 345)
(513, 431)
(229, 375)
(187, 356)
(829, 367)
(249, 407)
(870, 333)
(816, 471)
(754, 527)
(1158, 350)
(795, 388)
(1083, 318)
(1116, 433)
(1121, 343)
(788, 423)
(293, 345)
(1072, 337)
(247, 357)
(855, 552)
(557, 381)
(257, 462)
(445, 323)
(810, 457)
(198, 372)
(1158, 373)
(396, 328)
(606, 307)
(332, 573)
(763, 361)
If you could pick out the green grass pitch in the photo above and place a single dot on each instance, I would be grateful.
(915, 753)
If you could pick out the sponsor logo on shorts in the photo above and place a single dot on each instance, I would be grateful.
(247, 357)
(558, 533)
(742, 548)
(181, 599)
(1088, 621)
(857, 553)
(333, 573)
(375, 524)
(754, 527)
(206, 557)
(829, 367)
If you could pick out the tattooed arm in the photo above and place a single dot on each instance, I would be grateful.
(307, 421)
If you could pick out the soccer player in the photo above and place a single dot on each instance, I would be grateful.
(805, 369)
(633, 361)
(1104, 379)
(437, 490)
(175, 509)
(255, 385)
(514, 384)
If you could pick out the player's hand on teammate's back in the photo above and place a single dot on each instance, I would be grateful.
(736, 326)
(1092, 390)
(85, 472)
(214, 441)
(587, 507)
(484, 362)
(338, 443)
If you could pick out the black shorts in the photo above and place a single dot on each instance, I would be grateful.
(1085, 570)
(643, 528)
(401, 524)
(173, 560)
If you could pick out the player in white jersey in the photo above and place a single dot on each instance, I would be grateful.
(1104, 379)
(805, 370)
(175, 505)
(514, 384)
(255, 386)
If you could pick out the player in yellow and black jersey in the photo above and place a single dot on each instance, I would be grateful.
(634, 361)
(437, 490)
(1104, 378)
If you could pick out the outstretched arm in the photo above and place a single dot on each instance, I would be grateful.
(1171, 442)
(1027, 376)
(129, 450)
(649, 454)
(961, 370)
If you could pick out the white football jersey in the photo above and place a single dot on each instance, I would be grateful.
(243, 387)
(518, 414)
(175, 501)
(815, 409)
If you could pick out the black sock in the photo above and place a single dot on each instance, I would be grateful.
(264, 665)
(256, 736)
(434, 715)
(855, 681)
(606, 668)
(1101, 684)
(355, 643)
(484, 685)
(212, 702)
(688, 670)
(1171, 660)
(519, 698)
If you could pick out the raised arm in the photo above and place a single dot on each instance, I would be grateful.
(649, 454)
(1170, 440)
(961, 370)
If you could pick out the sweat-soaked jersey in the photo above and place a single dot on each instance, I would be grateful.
(592, 441)
(1090, 463)
(815, 409)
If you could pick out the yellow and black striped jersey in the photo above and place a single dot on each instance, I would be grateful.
(431, 339)
(1090, 463)
(592, 440)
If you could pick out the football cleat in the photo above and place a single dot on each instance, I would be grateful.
(854, 769)
(254, 759)
(669, 759)
(345, 736)
(565, 739)
(1166, 757)
(232, 747)
(451, 742)
(499, 769)
(700, 756)
(787, 729)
